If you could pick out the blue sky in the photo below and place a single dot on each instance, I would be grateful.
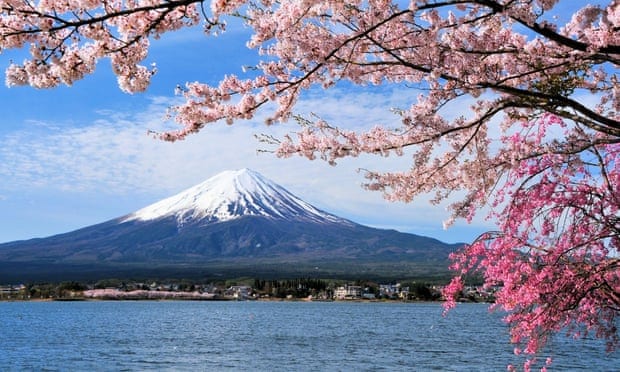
(76, 156)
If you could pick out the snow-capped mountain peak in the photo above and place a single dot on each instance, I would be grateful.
(229, 195)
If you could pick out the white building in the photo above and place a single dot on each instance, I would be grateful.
(348, 292)
(239, 291)
(393, 291)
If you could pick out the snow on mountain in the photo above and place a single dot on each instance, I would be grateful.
(230, 195)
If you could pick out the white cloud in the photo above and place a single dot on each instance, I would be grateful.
(113, 155)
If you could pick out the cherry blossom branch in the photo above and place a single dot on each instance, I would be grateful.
(544, 162)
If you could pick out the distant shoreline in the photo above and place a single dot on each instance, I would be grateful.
(163, 297)
(235, 293)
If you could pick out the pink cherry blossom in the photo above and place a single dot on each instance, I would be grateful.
(546, 164)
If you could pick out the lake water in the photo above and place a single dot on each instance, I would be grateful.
(267, 336)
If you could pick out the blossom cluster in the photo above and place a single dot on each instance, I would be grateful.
(556, 256)
(67, 38)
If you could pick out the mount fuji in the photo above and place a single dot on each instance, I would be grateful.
(237, 223)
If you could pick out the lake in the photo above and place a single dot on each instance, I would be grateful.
(267, 336)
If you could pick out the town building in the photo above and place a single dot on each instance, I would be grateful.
(348, 292)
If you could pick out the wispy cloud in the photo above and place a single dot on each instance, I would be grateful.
(114, 155)
(114, 152)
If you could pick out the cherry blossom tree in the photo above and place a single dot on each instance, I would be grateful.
(539, 145)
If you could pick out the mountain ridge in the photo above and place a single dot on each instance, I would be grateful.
(234, 221)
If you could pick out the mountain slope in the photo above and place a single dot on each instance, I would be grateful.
(230, 195)
(235, 220)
